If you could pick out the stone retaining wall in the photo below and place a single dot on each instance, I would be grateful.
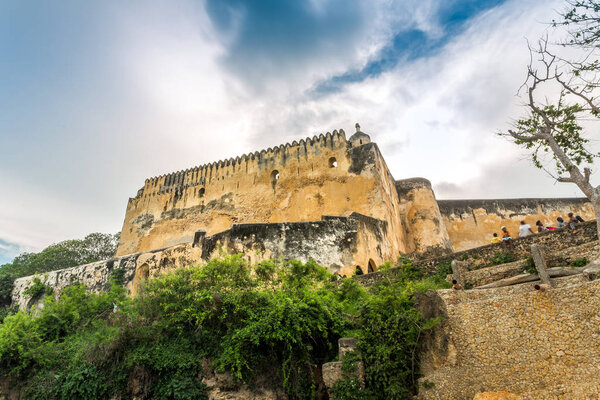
(514, 339)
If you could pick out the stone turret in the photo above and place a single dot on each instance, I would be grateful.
(359, 138)
(427, 230)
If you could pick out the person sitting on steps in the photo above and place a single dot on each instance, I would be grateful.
(506, 238)
(525, 229)
(540, 226)
(572, 221)
(495, 238)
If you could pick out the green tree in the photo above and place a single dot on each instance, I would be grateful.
(555, 129)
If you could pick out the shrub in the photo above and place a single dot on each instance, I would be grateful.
(502, 257)
(274, 320)
(529, 266)
(37, 290)
(83, 382)
(580, 262)
(176, 386)
(20, 344)
(117, 276)
(444, 269)
(389, 338)
(350, 389)
(6, 287)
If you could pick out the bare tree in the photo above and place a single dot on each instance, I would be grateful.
(558, 125)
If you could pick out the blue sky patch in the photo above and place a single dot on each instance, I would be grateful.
(408, 45)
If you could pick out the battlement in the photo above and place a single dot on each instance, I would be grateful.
(298, 181)
(201, 174)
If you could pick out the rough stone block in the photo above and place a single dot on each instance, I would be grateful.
(497, 396)
(332, 373)
(346, 345)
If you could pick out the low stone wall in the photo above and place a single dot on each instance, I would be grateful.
(339, 243)
(96, 276)
(557, 242)
(471, 223)
(514, 339)
(553, 240)
(555, 258)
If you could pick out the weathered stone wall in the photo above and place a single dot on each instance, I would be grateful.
(420, 212)
(96, 276)
(297, 182)
(471, 223)
(556, 241)
(515, 339)
(339, 243)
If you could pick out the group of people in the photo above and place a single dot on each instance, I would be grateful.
(525, 228)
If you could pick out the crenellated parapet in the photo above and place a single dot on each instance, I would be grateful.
(298, 181)
(199, 176)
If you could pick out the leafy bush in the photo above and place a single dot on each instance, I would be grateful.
(580, 262)
(529, 266)
(350, 389)
(81, 382)
(177, 386)
(38, 289)
(281, 315)
(502, 257)
(444, 269)
(274, 320)
(389, 338)
(6, 288)
(117, 276)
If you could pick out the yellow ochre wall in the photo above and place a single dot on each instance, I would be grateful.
(169, 209)
(471, 223)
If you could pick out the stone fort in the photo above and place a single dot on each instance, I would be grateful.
(328, 198)
(334, 200)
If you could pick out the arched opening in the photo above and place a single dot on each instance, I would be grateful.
(332, 162)
(372, 266)
(358, 270)
(274, 177)
(141, 275)
(201, 192)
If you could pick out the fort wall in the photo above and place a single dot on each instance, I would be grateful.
(340, 243)
(471, 223)
(296, 182)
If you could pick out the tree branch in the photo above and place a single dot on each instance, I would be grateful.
(524, 138)
(585, 98)
(587, 172)
(565, 179)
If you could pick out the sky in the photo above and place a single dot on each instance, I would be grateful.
(96, 96)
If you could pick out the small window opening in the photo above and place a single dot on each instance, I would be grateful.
(358, 270)
(361, 141)
(332, 162)
(274, 177)
(201, 192)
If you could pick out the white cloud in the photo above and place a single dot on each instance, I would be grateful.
(436, 117)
